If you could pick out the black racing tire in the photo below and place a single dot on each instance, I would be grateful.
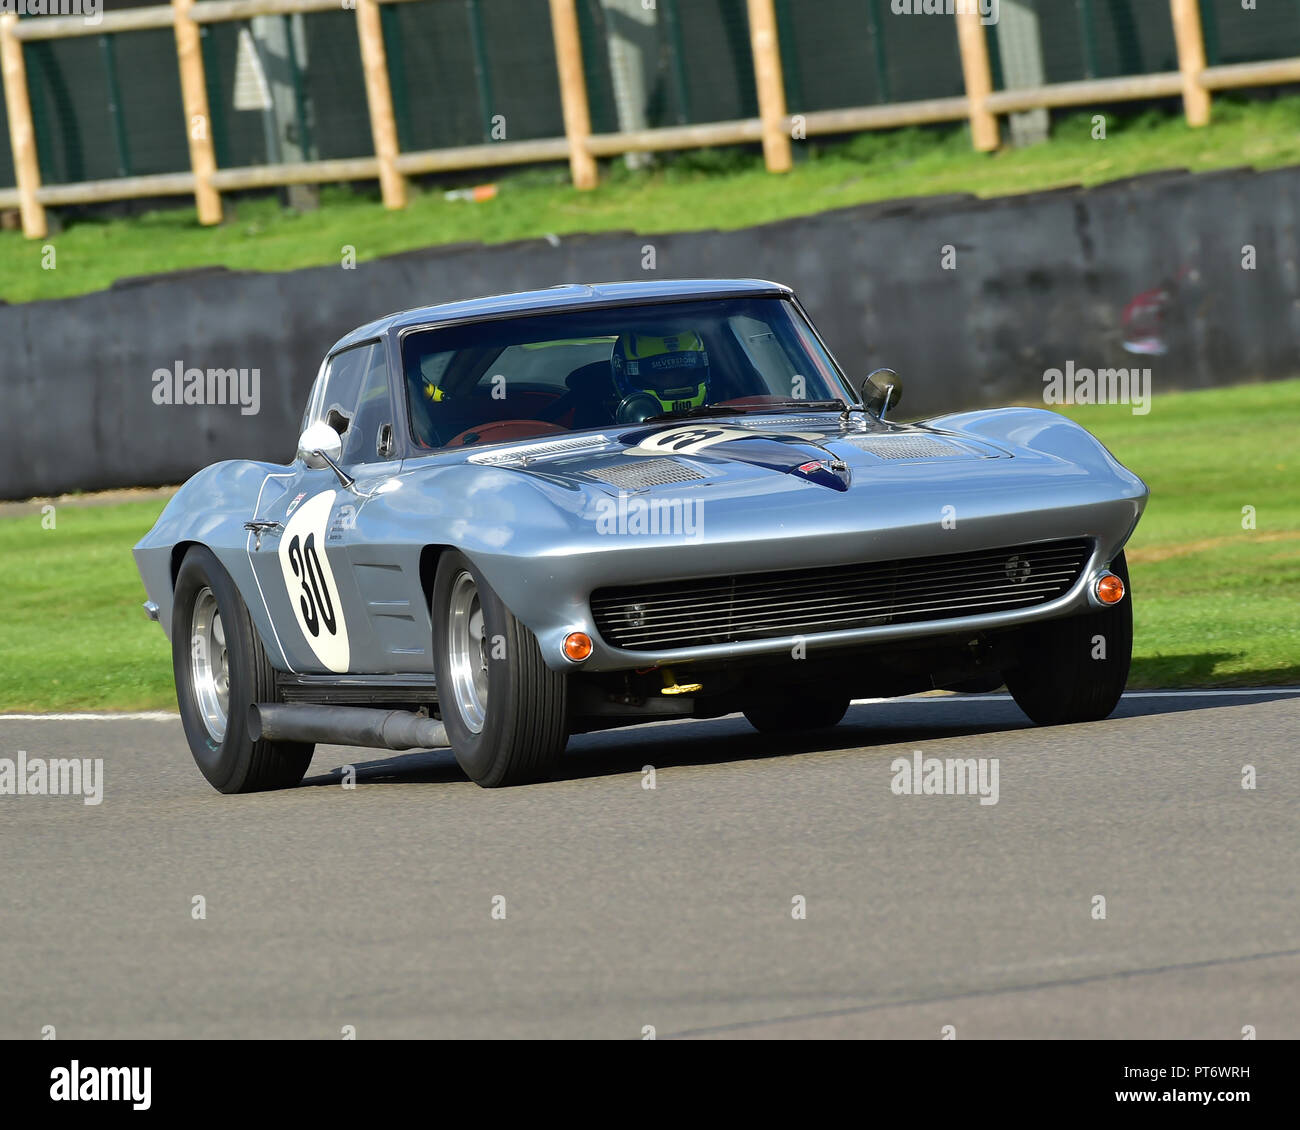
(1055, 678)
(788, 714)
(230, 760)
(506, 712)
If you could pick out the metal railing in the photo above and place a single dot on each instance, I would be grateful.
(774, 126)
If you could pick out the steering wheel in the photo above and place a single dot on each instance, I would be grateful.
(498, 431)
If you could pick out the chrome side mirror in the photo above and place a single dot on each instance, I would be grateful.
(881, 391)
(320, 445)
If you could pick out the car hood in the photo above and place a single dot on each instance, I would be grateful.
(818, 451)
(552, 520)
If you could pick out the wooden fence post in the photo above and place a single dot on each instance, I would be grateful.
(22, 132)
(379, 97)
(573, 93)
(198, 122)
(768, 75)
(1190, 38)
(978, 73)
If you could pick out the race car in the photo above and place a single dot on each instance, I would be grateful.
(517, 518)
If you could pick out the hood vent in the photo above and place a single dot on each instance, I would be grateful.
(645, 473)
(779, 423)
(523, 453)
(906, 446)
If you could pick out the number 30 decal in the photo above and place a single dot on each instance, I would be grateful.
(315, 602)
(310, 582)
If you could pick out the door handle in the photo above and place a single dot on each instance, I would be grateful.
(260, 526)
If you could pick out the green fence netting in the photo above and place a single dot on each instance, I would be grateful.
(465, 72)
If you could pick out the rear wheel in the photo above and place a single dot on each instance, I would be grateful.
(505, 711)
(790, 713)
(1075, 670)
(221, 670)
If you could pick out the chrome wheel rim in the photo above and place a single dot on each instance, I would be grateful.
(467, 652)
(210, 664)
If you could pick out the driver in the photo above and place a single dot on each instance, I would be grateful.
(672, 371)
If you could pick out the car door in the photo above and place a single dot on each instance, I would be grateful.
(309, 525)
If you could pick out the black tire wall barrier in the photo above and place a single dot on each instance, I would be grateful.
(972, 301)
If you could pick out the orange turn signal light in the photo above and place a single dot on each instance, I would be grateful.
(577, 646)
(1109, 589)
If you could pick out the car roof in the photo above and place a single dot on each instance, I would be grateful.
(560, 297)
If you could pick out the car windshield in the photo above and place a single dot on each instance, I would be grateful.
(514, 378)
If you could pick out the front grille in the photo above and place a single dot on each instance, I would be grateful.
(644, 473)
(754, 606)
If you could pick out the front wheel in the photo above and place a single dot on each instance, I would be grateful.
(1075, 670)
(221, 670)
(505, 711)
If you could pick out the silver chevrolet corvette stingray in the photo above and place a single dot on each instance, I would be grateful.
(513, 519)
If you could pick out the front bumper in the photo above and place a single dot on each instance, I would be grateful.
(552, 594)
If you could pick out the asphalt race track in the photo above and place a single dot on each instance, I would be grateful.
(627, 907)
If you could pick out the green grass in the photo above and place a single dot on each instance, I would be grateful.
(708, 189)
(72, 633)
(1216, 604)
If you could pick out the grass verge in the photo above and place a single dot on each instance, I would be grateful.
(72, 633)
(693, 191)
(1217, 604)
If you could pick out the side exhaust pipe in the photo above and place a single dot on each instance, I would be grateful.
(344, 725)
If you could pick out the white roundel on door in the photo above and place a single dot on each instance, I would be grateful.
(310, 581)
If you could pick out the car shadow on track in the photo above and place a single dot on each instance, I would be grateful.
(613, 752)
(434, 767)
(866, 726)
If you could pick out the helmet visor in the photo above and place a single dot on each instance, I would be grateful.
(665, 365)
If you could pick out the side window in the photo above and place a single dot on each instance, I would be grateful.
(357, 404)
(309, 415)
(370, 437)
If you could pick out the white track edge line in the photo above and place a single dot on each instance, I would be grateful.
(1209, 692)
(1216, 692)
(136, 716)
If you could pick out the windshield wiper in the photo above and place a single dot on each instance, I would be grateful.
(702, 410)
(745, 409)
(805, 405)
